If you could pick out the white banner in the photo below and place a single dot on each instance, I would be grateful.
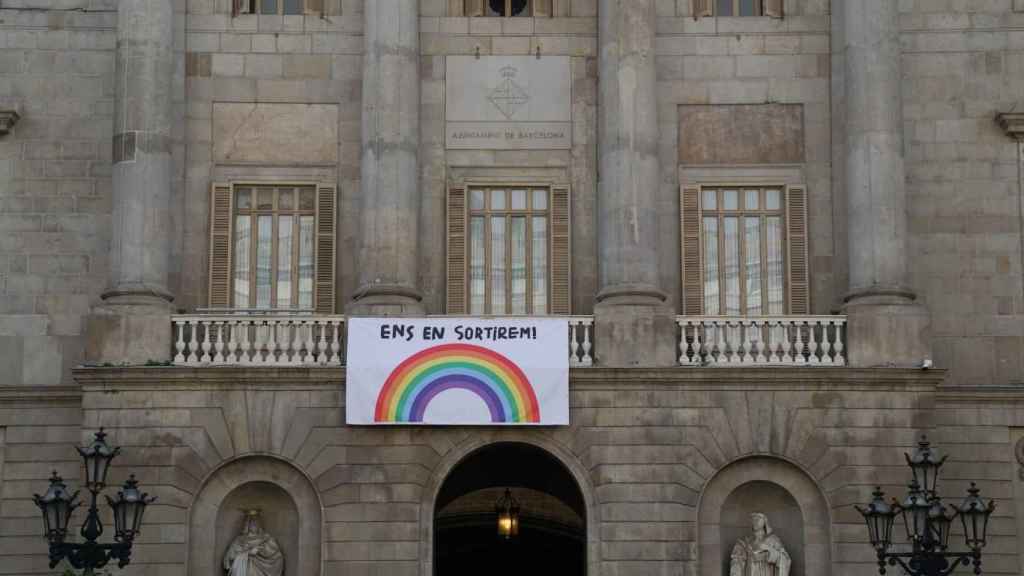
(457, 371)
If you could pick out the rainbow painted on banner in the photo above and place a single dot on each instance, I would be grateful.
(498, 381)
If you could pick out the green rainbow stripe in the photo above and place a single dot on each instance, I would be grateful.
(498, 381)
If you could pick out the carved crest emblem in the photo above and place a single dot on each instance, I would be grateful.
(508, 97)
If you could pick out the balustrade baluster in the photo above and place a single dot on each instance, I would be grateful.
(218, 348)
(588, 326)
(574, 346)
(812, 345)
(826, 346)
(207, 342)
(337, 344)
(838, 346)
(179, 343)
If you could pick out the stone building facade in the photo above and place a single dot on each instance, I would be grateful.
(131, 131)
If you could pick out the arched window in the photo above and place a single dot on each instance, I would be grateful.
(507, 8)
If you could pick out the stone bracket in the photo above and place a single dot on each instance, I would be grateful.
(1012, 124)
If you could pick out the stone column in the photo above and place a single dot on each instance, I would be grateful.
(634, 325)
(389, 196)
(133, 325)
(886, 325)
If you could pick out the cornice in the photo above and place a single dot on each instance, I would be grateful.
(40, 395)
(795, 378)
(1003, 395)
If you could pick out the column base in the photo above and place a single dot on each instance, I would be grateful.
(129, 329)
(634, 327)
(386, 300)
(886, 329)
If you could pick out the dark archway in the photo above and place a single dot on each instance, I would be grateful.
(552, 520)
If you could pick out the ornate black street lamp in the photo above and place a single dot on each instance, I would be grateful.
(57, 507)
(928, 522)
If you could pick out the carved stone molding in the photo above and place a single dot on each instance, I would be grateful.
(8, 118)
(1012, 124)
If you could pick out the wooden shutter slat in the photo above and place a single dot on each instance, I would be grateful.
(700, 8)
(456, 251)
(796, 239)
(561, 251)
(326, 234)
(221, 231)
(689, 233)
(773, 8)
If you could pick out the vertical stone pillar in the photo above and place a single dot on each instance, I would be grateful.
(886, 325)
(133, 325)
(389, 196)
(634, 325)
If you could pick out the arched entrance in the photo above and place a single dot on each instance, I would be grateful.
(552, 518)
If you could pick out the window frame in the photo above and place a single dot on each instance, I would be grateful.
(481, 9)
(254, 214)
(488, 213)
(796, 232)
(741, 214)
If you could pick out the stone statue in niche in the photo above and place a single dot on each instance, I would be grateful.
(254, 552)
(760, 554)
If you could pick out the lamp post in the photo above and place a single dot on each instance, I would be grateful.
(57, 506)
(928, 522)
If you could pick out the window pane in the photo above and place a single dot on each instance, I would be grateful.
(540, 199)
(284, 261)
(773, 227)
(518, 199)
(731, 262)
(752, 201)
(540, 265)
(730, 200)
(497, 199)
(264, 230)
(517, 236)
(268, 7)
(242, 199)
(498, 265)
(306, 262)
(752, 245)
(772, 200)
(476, 200)
(286, 200)
(477, 270)
(293, 6)
(242, 239)
(724, 8)
(495, 8)
(307, 199)
(265, 199)
(520, 8)
(711, 302)
(747, 8)
(710, 199)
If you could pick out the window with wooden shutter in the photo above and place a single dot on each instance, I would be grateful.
(272, 247)
(326, 233)
(689, 222)
(744, 250)
(796, 232)
(508, 250)
(221, 217)
(456, 251)
(702, 8)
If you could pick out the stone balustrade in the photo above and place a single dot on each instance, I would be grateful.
(762, 340)
(259, 339)
(254, 339)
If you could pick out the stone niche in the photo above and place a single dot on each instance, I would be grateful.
(290, 506)
(783, 514)
(794, 504)
(279, 518)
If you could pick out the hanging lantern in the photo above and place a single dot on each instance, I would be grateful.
(924, 465)
(97, 458)
(974, 514)
(940, 522)
(879, 517)
(507, 508)
(56, 506)
(128, 509)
